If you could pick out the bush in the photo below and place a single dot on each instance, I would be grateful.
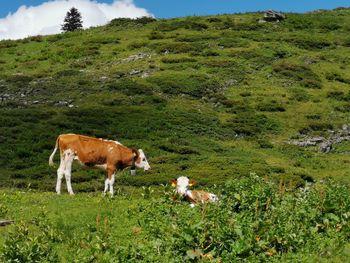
(337, 77)
(271, 106)
(23, 245)
(256, 220)
(175, 24)
(131, 87)
(343, 108)
(137, 45)
(177, 59)
(265, 144)
(196, 85)
(156, 35)
(210, 53)
(233, 42)
(310, 43)
(303, 74)
(129, 22)
(251, 124)
(316, 127)
(176, 47)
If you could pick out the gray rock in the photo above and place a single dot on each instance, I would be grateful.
(136, 57)
(135, 72)
(325, 144)
(4, 222)
(273, 16)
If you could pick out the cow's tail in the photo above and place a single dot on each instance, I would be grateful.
(51, 163)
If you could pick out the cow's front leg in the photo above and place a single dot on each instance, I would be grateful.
(106, 186)
(110, 181)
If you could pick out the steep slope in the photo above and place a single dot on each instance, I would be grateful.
(209, 97)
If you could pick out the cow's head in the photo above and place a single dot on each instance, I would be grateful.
(141, 161)
(182, 183)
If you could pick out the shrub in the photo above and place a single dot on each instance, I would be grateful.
(233, 42)
(137, 45)
(131, 87)
(251, 124)
(271, 106)
(255, 220)
(214, 20)
(24, 246)
(8, 43)
(300, 95)
(177, 59)
(175, 24)
(196, 85)
(337, 77)
(316, 126)
(298, 22)
(265, 144)
(306, 77)
(310, 43)
(129, 22)
(156, 35)
(338, 95)
(176, 47)
(245, 94)
(343, 108)
(210, 53)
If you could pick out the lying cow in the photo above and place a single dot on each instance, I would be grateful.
(91, 152)
(193, 196)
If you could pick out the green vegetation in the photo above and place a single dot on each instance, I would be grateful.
(256, 220)
(203, 96)
(214, 98)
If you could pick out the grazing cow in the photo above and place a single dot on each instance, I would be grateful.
(109, 155)
(193, 196)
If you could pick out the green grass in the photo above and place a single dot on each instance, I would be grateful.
(256, 220)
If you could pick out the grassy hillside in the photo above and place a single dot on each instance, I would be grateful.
(212, 97)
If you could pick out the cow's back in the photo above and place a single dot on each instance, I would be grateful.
(89, 150)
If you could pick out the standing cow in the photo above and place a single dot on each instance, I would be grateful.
(109, 155)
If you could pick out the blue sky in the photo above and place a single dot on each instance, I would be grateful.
(175, 8)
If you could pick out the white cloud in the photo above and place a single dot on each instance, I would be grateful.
(48, 17)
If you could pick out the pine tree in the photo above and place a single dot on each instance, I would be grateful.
(72, 21)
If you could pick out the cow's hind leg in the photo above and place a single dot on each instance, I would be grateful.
(111, 182)
(106, 186)
(68, 169)
(60, 172)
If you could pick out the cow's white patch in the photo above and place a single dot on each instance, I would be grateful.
(116, 142)
(110, 149)
(213, 198)
(65, 169)
(109, 184)
(181, 185)
(143, 164)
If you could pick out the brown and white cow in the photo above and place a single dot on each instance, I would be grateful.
(192, 196)
(109, 155)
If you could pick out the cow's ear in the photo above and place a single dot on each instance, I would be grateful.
(192, 182)
(135, 153)
(173, 182)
